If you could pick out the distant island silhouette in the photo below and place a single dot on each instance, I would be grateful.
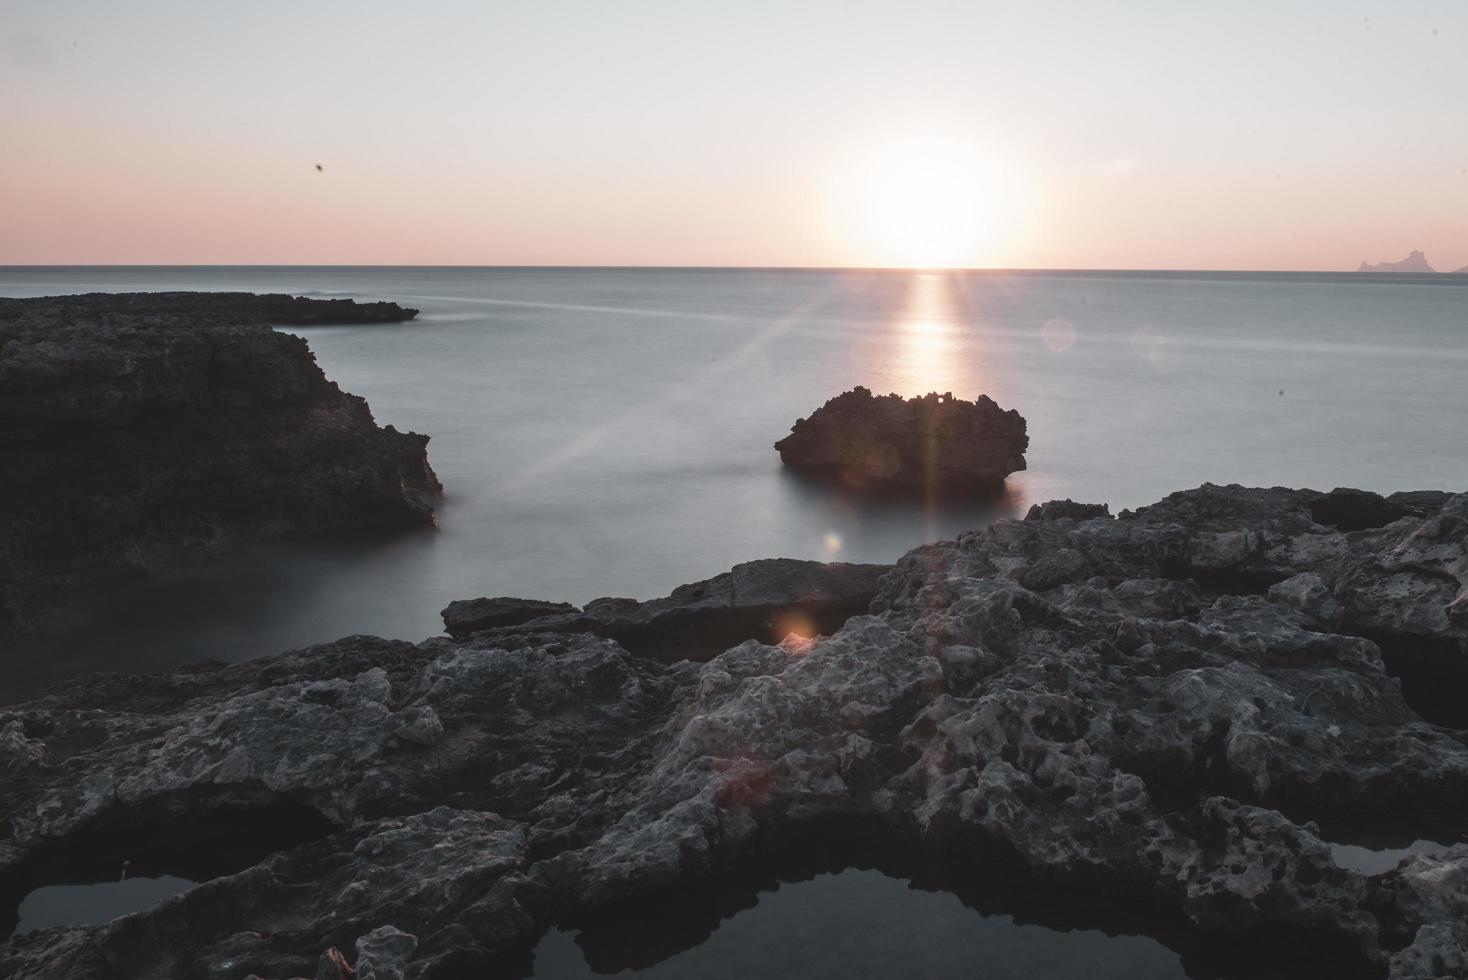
(1414, 262)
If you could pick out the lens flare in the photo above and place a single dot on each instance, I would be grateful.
(1059, 335)
(1156, 349)
(795, 632)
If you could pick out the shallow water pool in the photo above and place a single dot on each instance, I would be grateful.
(84, 905)
(863, 924)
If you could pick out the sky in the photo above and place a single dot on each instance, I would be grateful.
(1237, 135)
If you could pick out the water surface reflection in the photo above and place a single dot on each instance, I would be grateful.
(84, 905)
(864, 924)
(927, 346)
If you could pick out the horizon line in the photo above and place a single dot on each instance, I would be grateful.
(998, 270)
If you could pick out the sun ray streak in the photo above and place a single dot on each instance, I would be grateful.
(689, 387)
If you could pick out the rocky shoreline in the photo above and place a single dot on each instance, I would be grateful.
(151, 429)
(1153, 722)
(763, 600)
(280, 309)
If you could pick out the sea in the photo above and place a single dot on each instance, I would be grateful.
(609, 432)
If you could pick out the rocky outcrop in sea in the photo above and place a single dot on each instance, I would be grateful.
(139, 431)
(935, 443)
(1153, 722)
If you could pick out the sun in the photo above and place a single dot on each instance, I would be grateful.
(931, 202)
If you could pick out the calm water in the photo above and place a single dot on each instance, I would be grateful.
(863, 924)
(79, 905)
(849, 925)
(608, 432)
(1367, 860)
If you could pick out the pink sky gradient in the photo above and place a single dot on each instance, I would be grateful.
(1293, 136)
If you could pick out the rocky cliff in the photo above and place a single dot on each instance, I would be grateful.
(137, 431)
(1156, 722)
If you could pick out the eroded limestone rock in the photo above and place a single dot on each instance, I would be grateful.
(762, 600)
(934, 443)
(1163, 726)
(139, 431)
(1055, 510)
(465, 617)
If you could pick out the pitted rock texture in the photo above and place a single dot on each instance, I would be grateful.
(762, 600)
(1159, 717)
(132, 440)
(935, 443)
(1054, 510)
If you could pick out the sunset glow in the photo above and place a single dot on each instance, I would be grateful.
(941, 135)
(932, 202)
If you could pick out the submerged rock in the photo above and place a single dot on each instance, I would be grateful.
(763, 600)
(1153, 722)
(131, 440)
(888, 444)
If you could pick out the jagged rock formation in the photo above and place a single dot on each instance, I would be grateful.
(1415, 262)
(763, 600)
(1152, 722)
(1054, 510)
(932, 443)
(276, 308)
(131, 440)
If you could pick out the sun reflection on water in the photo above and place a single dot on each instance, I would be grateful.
(931, 346)
(928, 342)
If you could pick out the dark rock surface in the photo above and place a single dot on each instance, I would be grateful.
(1151, 722)
(465, 617)
(276, 308)
(888, 444)
(761, 600)
(131, 440)
(1055, 510)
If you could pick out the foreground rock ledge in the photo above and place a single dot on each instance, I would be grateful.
(886, 445)
(137, 432)
(1150, 722)
(764, 600)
